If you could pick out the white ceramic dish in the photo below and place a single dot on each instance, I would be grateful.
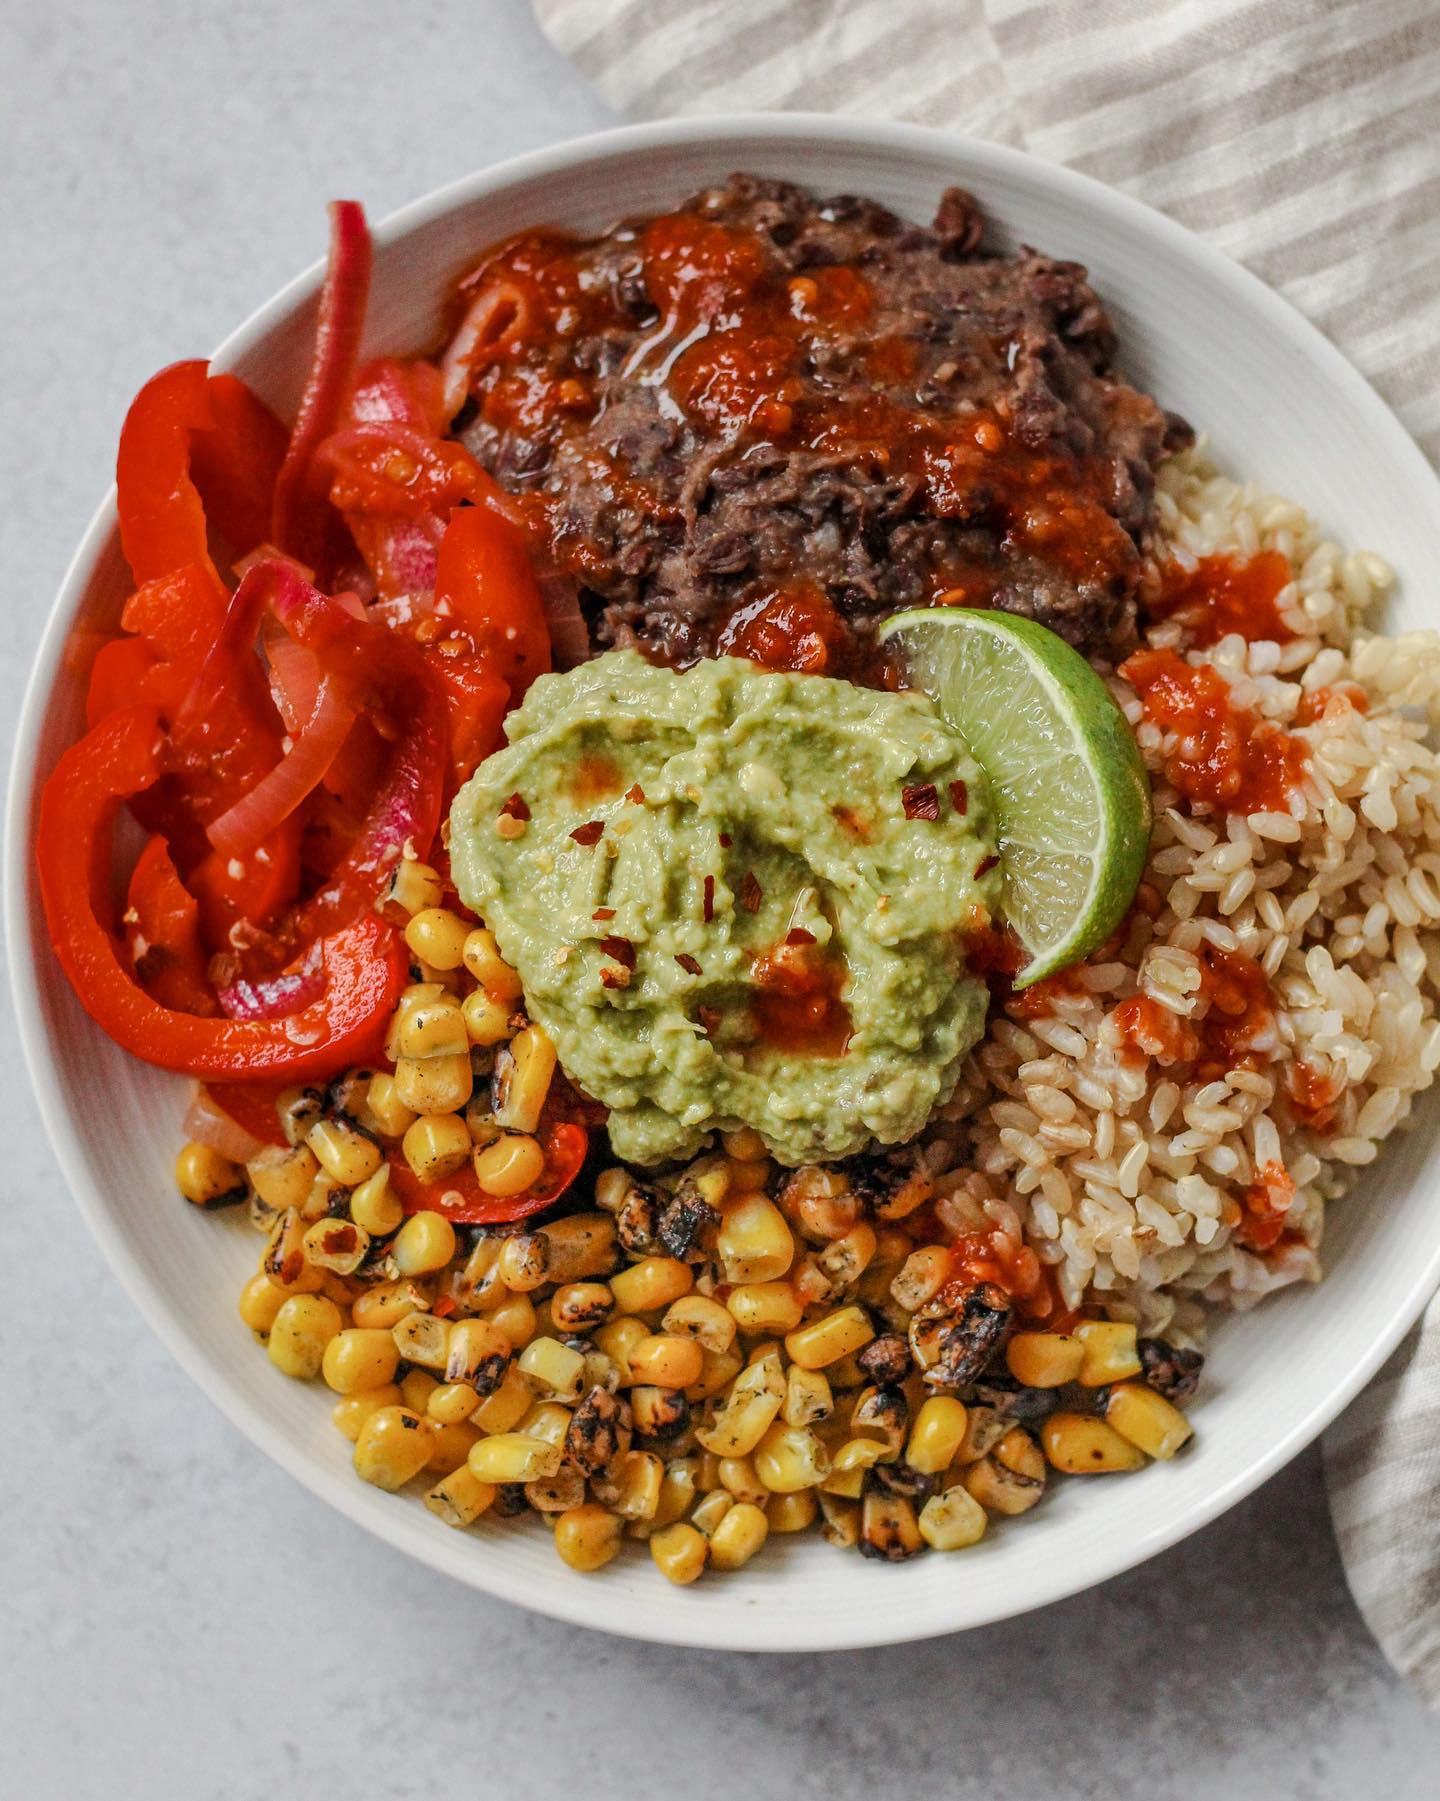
(1280, 404)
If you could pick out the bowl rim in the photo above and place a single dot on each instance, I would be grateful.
(579, 1602)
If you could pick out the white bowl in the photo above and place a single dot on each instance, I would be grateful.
(1280, 404)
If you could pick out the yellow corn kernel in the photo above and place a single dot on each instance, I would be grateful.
(461, 1497)
(511, 1401)
(937, 1435)
(260, 1301)
(699, 1317)
(522, 1079)
(451, 1403)
(1012, 1478)
(374, 1207)
(580, 1306)
(346, 1155)
(513, 1457)
(485, 963)
(631, 1485)
(510, 1165)
(582, 1245)
(718, 1369)
(489, 1021)
(739, 1479)
(744, 1144)
(765, 1307)
(547, 1420)
(1148, 1420)
(820, 1203)
(666, 1362)
(617, 1338)
(677, 1491)
(393, 1447)
(839, 1521)
(1110, 1352)
(953, 1520)
(589, 1536)
(754, 1400)
(424, 1243)
(709, 1510)
(434, 1084)
(384, 1111)
(844, 1260)
(359, 1359)
(350, 1412)
(423, 1339)
(336, 1244)
(283, 1258)
(415, 886)
(436, 1145)
(387, 1303)
(552, 1368)
(282, 1175)
(888, 1526)
(301, 1330)
(416, 1388)
(825, 1341)
(1045, 1359)
(807, 1397)
(450, 1445)
(738, 1536)
(557, 1493)
(793, 1512)
(848, 1467)
(206, 1179)
(437, 936)
(921, 1277)
(524, 1261)
(477, 1352)
(515, 1317)
(679, 1552)
(754, 1244)
(789, 1458)
(650, 1284)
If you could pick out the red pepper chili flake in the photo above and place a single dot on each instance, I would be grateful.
(985, 864)
(691, 965)
(590, 833)
(610, 977)
(921, 802)
(636, 794)
(960, 798)
(708, 906)
(751, 893)
(603, 913)
(798, 935)
(726, 840)
(444, 1307)
(515, 808)
(621, 949)
(709, 1018)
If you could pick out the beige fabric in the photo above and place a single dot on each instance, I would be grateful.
(1301, 136)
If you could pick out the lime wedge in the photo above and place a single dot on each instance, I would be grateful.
(1072, 799)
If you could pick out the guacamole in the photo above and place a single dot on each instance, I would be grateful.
(736, 898)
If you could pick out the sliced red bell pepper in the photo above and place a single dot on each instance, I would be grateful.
(235, 464)
(461, 1198)
(120, 676)
(477, 701)
(486, 584)
(365, 963)
(252, 1106)
(162, 935)
(162, 518)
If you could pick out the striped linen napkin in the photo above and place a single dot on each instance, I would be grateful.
(1301, 136)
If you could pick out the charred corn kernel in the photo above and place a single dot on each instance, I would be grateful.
(297, 1109)
(510, 1165)
(282, 1174)
(1110, 1352)
(425, 1242)
(827, 1340)
(953, 1520)
(677, 1491)
(1147, 1419)
(488, 967)
(921, 1277)
(423, 1339)
(387, 1303)
(662, 1413)
(709, 1510)
(511, 1401)
(477, 1353)
(336, 1244)
(1045, 1359)
(205, 1178)
(451, 1403)
(451, 1444)
(513, 1457)
(937, 1435)
(552, 1368)
(260, 1301)
(819, 1203)
(881, 1414)
(346, 1155)
(579, 1306)
(299, 1334)
(697, 1316)
(415, 886)
(840, 1521)
(393, 1447)
(589, 1536)
(434, 1084)
(765, 1307)
(793, 1512)
(438, 936)
(984, 1428)
(416, 1388)
(789, 1458)
(524, 1261)
(436, 1145)
(374, 1207)
(738, 1535)
(1082, 1445)
(754, 1400)
(666, 1362)
(350, 1412)
(480, 1280)
(848, 1467)
(487, 1021)
(557, 1493)
(754, 1244)
(844, 1260)
(632, 1484)
(387, 1113)
(461, 1497)
(679, 1552)
(582, 1245)
(1012, 1478)
(650, 1284)
(617, 1338)
(522, 1079)
(807, 1397)
(888, 1527)
(739, 1479)
(358, 1359)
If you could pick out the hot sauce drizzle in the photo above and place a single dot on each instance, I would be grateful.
(1222, 595)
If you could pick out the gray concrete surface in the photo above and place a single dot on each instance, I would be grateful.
(179, 1620)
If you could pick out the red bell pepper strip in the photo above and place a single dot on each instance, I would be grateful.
(485, 583)
(477, 701)
(365, 964)
(300, 519)
(252, 1106)
(162, 934)
(461, 1198)
(234, 465)
(121, 676)
(162, 519)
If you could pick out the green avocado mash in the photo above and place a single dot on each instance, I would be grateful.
(736, 898)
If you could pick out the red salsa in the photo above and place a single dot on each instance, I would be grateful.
(1223, 594)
